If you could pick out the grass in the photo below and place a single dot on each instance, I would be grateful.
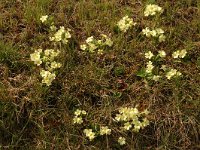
(34, 116)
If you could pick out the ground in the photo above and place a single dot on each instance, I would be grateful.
(36, 116)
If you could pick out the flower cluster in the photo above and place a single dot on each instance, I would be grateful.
(149, 66)
(152, 9)
(149, 54)
(179, 53)
(157, 33)
(62, 35)
(104, 130)
(132, 118)
(46, 57)
(125, 23)
(78, 116)
(47, 76)
(173, 72)
(97, 45)
(89, 133)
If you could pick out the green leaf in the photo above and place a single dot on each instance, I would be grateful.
(141, 73)
(151, 1)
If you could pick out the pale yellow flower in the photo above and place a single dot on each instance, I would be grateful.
(175, 54)
(48, 77)
(148, 55)
(182, 53)
(162, 38)
(152, 9)
(162, 54)
(149, 67)
(121, 140)
(89, 133)
(44, 18)
(125, 23)
(36, 58)
(105, 130)
(156, 77)
(77, 120)
(127, 126)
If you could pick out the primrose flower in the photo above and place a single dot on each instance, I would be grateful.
(145, 122)
(148, 55)
(162, 54)
(48, 77)
(105, 130)
(35, 57)
(149, 67)
(121, 140)
(55, 65)
(83, 112)
(127, 126)
(89, 39)
(182, 53)
(83, 47)
(156, 77)
(146, 32)
(78, 112)
(107, 42)
(77, 120)
(50, 54)
(53, 28)
(92, 47)
(125, 23)
(44, 18)
(163, 67)
(162, 38)
(153, 33)
(137, 128)
(152, 9)
(159, 31)
(100, 51)
(89, 133)
(175, 54)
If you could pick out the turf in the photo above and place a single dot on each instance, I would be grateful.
(35, 116)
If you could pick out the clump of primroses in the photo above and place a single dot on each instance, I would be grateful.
(89, 133)
(132, 118)
(62, 35)
(152, 63)
(152, 9)
(93, 45)
(46, 59)
(157, 33)
(78, 116)
(153, 71)
(125, 24)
